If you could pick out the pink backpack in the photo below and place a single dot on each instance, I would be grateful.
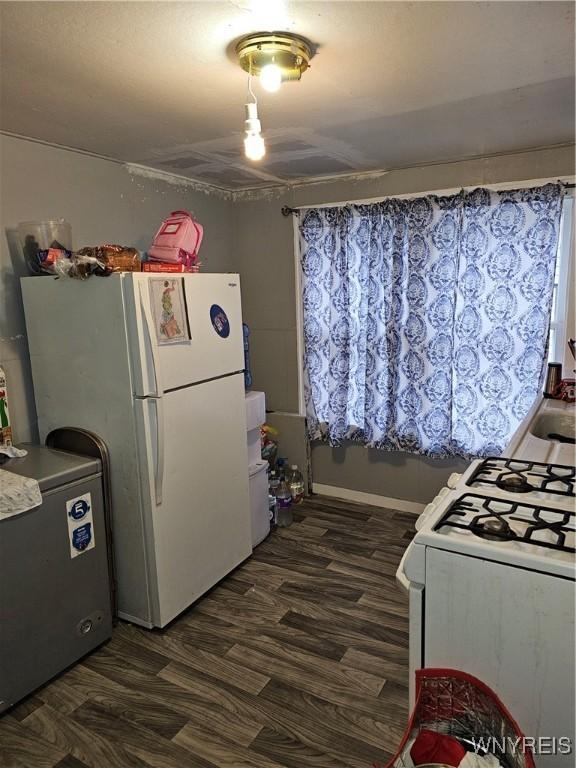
(178, 240)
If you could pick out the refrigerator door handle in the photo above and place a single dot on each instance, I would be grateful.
(159, 472)
(149, 323)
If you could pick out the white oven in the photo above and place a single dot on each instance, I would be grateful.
(491, 582)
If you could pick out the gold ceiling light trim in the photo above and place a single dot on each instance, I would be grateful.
(289, 52)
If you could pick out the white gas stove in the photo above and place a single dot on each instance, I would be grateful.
(518, 512)
(491, 577)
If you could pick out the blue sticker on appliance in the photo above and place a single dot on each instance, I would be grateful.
(79, 509)
(79, 517)
(81, 537)
(220, 321)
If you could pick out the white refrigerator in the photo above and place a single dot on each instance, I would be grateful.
(153, 364)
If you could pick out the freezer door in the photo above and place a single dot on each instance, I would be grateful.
(204, 314)
(196, 490)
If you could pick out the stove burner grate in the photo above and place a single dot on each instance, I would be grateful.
(493, 519)
(518, 476)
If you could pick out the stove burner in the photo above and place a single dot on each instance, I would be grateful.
(514, 482)
(508, 520)
(494, 528)
(519, 476)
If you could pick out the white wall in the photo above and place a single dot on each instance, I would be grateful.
(105, 203)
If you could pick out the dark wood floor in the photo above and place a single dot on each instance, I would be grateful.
(298, 658)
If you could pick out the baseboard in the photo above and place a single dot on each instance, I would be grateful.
(374, 499)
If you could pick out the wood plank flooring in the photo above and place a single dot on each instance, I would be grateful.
(299, 658)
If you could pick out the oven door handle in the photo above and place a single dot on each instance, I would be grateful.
(401, 577)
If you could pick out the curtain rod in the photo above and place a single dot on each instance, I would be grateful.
(287, 211)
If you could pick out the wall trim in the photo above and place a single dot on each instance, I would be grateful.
(374, 499)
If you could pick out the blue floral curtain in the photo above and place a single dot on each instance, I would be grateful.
(426, 320)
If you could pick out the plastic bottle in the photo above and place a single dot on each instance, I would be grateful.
(273, 510)
(284, 499)
(281, 466)
(247, 371)
(296, 483)
(273, 482)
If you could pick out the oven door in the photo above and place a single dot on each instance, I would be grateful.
(513, 629)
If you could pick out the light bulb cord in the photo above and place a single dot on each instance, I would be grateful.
(252, 123)
(250, 91)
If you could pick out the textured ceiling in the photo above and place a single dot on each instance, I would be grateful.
(392, 84)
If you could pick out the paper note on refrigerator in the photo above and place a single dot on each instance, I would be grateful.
(169, 310)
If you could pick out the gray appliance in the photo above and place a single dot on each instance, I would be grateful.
(54, 572)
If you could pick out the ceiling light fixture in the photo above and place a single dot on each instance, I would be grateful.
(275, 57)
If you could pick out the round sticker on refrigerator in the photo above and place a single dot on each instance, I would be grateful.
(220, 321)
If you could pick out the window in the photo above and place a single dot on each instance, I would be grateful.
(426, 320)
(563, 294)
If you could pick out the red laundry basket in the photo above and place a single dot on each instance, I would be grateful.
(456, 704)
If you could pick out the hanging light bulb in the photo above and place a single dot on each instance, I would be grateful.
(254, 146)
(271, 78)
